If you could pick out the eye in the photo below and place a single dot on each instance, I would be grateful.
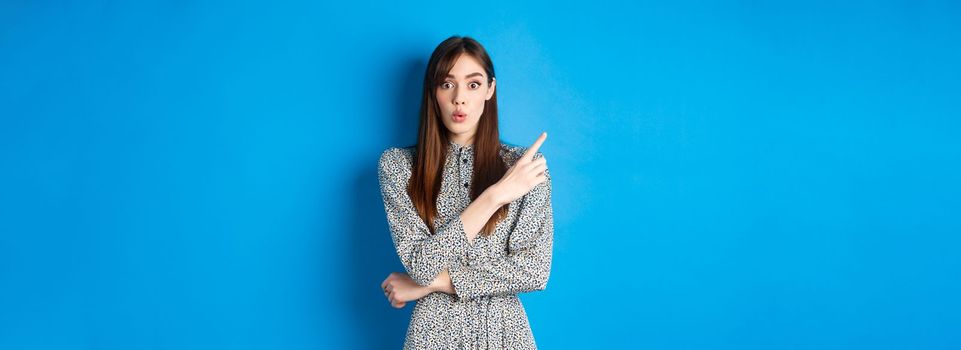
(474, 85)
(446, 85)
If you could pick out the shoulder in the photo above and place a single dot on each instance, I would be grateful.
(511, 153)
(395, 160)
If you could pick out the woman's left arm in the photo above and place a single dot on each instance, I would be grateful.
(527, 265)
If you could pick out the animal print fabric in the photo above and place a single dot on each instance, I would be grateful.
(487, 274)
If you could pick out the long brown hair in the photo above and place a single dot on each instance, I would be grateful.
(433, 137)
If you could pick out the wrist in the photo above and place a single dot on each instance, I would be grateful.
(493, 196)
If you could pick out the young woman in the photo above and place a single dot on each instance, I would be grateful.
(470, 217)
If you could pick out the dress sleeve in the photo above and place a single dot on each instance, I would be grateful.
(423, 254)
(527, 265)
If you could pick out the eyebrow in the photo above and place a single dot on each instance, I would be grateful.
(475, 74)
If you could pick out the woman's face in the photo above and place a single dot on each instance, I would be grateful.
(461, 97)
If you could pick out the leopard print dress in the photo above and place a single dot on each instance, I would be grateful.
(487, 274)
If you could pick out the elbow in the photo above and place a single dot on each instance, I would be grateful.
(537, 275)
(539, 281)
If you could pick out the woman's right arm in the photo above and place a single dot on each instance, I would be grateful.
(423, 254)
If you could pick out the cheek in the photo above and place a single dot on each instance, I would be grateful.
(480, 103)
(480, 96)
(444, 108)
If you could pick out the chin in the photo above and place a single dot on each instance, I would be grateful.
(462, 127)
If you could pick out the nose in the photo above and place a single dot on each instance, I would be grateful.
(458, 97)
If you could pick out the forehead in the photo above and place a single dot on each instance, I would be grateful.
(466, 64)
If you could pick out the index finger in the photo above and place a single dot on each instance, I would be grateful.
(533, 149)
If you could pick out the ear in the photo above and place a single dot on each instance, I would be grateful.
(490, 92)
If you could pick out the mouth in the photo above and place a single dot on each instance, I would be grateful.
(459, 116)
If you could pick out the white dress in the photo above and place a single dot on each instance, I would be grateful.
(487, 273)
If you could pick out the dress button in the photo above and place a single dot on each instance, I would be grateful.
(465, 160)
(466, 185)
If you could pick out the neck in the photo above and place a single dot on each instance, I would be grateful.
(463, 140)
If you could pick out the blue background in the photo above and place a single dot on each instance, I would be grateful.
(727, 175)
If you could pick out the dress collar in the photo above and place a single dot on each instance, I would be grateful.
(454, 146)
